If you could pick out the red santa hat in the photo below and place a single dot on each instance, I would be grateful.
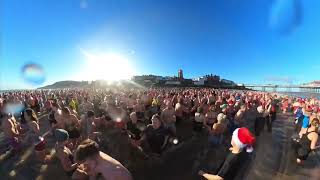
(230, 103)
(309, 108)
(301, 101)
(243, 139)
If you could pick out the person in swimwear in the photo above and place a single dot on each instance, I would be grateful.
(11, 132)
(98, 163)
(72, 125)
(64, 154)
(168, 117)
(180, 110)
(33, 133)
(139, 108)
(308, 141)
(216, 134)
(239, 117)
(210, 117)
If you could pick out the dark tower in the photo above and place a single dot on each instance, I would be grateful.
(180, 74)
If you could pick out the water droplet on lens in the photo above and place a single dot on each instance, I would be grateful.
(33, 74)
(13, 108)
(83, 4)
(285, 16)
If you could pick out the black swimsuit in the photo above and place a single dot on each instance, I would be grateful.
(303, 148)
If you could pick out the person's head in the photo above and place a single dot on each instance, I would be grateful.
(221, 118)
(133, 117)
(260, 109)
(212, 108)
(156, 122)
(315, 122)
(90, 114)
(87, 153)
(61, 136)
(242, 138)
(308, 111)
(200, 110)
(30, 115)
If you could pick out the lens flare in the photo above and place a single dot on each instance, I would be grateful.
(285, 16)
(118, 119)
(175, 141)
(13, 108)
(33, 74)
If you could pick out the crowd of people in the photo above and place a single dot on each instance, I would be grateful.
(150, 117)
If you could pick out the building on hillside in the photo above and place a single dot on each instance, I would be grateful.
(175, 83)
(199, 81)
(147, 79)
(212, 80)
(228, 82)
(207, 80)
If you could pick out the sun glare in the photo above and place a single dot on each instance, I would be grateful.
(108, 66)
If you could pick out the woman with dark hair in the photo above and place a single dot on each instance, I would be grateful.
(33, 133)
(72, 125)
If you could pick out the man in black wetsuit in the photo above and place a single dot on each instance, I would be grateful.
(241, 142)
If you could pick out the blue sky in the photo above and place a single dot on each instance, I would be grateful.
(230, 38)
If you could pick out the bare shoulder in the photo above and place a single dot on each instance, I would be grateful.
(74, 117)
(33, 123)
(314, 135)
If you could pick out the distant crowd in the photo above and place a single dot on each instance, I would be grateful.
(78, 118)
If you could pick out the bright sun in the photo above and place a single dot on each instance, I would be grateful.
(108, 66)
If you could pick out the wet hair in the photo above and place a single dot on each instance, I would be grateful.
(66, 110)
(87, 149)
(30, 112)
(90, 114)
